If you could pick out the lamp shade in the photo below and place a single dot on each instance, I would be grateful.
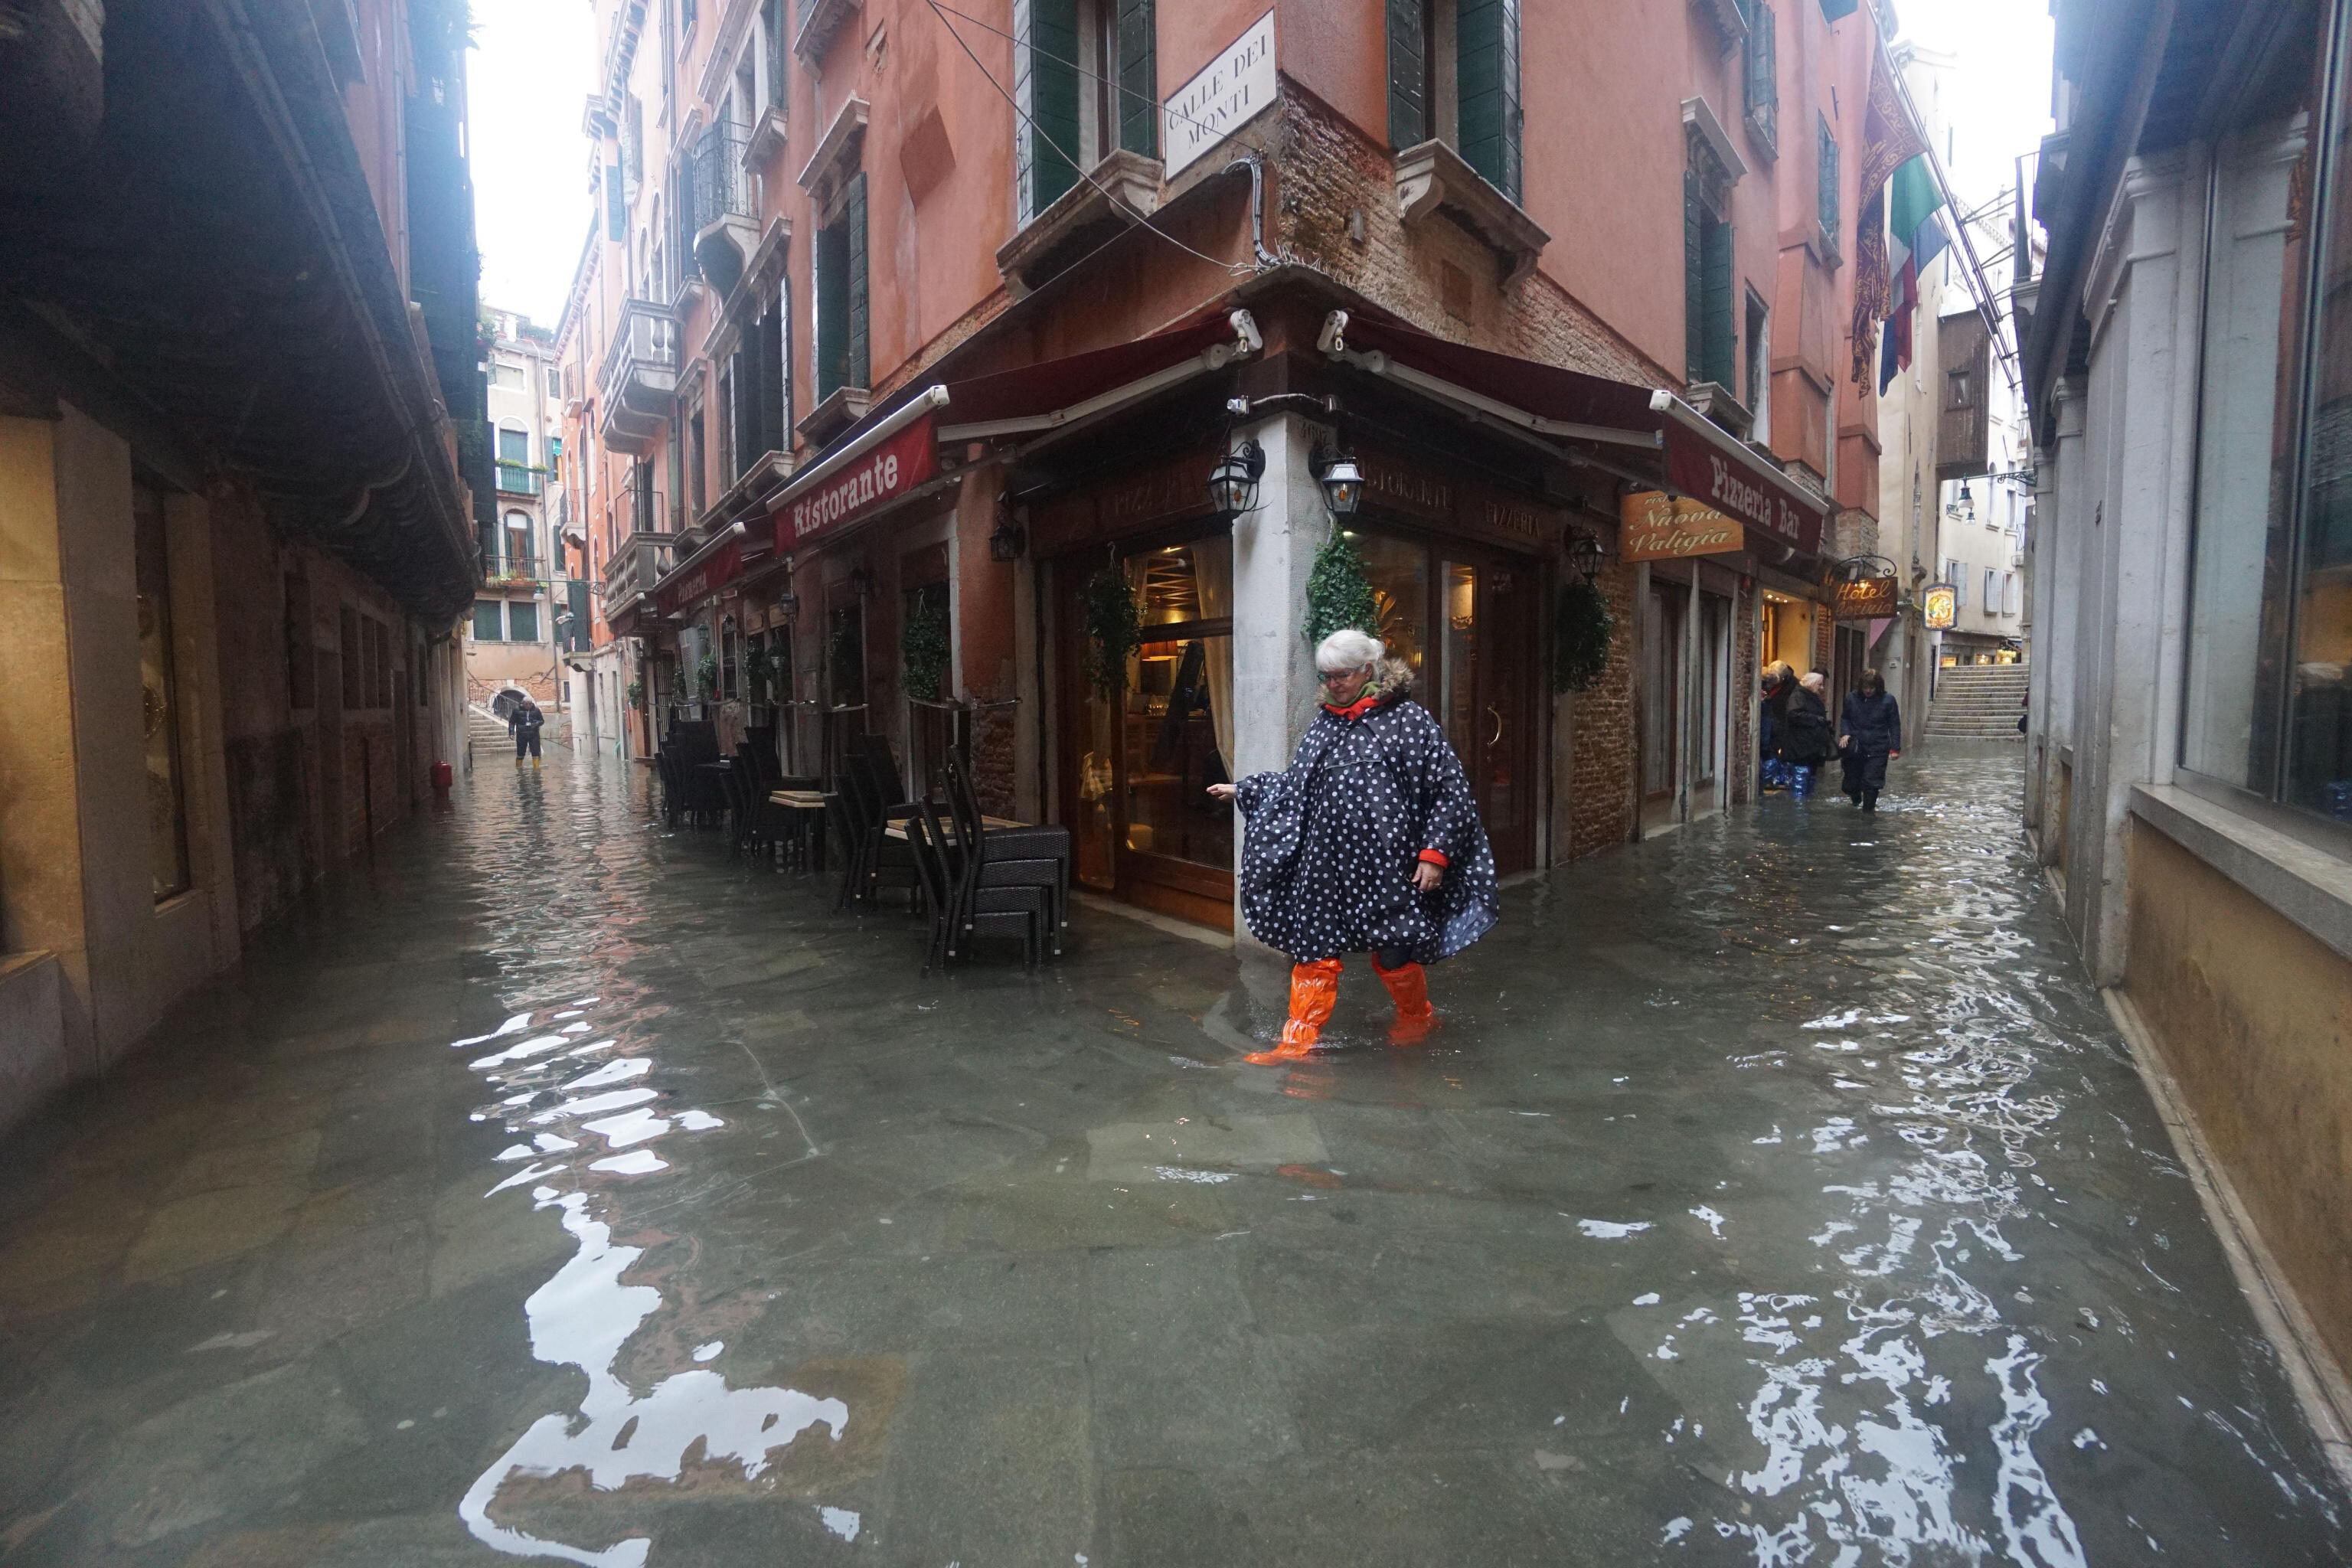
(1343, 486)
(1232, 483)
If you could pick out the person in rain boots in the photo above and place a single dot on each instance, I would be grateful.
(1805, 735)
(1870, 734)
(523, 724)
(1368, 842)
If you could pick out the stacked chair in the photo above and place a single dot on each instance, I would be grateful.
(1011, 856)
(961, 909)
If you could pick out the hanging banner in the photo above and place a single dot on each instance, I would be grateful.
(1939, 604)
(1863, 598)
(1656, 526)
(894, 469)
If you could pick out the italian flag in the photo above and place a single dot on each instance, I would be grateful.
(1916, 238)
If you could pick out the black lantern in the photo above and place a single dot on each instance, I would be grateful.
(787, 603)
(1232, 483)
(1584, 554)
(861, 581)
(1342, 481)
(1010, 539)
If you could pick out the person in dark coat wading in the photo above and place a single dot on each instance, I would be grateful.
(1805, 734)
(1870, 734)
(1368, 842)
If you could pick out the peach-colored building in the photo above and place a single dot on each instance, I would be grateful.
(858, 360)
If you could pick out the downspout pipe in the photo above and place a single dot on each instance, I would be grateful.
(1256, 167)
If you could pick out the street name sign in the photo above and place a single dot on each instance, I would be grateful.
(1229, 90)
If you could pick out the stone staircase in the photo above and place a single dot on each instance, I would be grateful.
(1977, 702)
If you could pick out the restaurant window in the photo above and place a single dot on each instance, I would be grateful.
(159, 698)
(522, 621)
(840, 296)
(490, 620)
(1150, 752)
(2266, 706)
(1453, 77)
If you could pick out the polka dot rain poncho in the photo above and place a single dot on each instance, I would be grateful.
(1328, 854)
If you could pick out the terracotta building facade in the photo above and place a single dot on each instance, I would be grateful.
(903, 340)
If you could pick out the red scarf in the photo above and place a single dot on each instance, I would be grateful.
(1356, 709)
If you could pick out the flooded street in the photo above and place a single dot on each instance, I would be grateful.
(560, 1188)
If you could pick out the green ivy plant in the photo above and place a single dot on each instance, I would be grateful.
(1581, 627)
(923, 644)
(1114, 629)
(758, 666)
(1339, 595)
(706, 676)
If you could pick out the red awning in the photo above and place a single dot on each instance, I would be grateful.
(718, 562)
(1695, 457)
(894, 453)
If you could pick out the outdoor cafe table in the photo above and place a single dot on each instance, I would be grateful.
(899, 829)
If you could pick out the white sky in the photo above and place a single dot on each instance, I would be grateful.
(532, 70)
(534, 63)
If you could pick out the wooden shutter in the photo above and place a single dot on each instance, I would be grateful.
(1694, 217)
(1487, 74)
(856, 365)
(1046, 87)
(770, 338)
(831, 308)
(1714, 301)
(1139, 78)
(1408, 75)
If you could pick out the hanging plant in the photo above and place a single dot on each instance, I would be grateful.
(706, 675)
(1114, 627)
(758, 666)
(923, 644)
(1581, 627)
(1339, 595)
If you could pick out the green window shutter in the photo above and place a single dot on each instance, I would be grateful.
(1693, 274)
(1715, 302)
(1487, 74)
(1829, 182)
(1762, 88)
(1408, 75)
(832, 308)
(857, 361)
(1046, 87)
(1139, 78)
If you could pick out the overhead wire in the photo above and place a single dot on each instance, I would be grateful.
(1231, 269)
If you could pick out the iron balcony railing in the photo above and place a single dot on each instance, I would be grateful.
(515, 479)
(717, 187)
(645, 340)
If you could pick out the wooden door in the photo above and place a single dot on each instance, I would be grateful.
(1508, 751)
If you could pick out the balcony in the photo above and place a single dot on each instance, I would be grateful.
(725, 217)
(518, 480)
(634, 568)
(639, 382)
(821, 21)
(511, 575)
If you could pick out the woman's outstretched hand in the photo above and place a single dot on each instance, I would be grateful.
(1426, 875)
(1221, 792)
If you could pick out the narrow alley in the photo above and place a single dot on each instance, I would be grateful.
(558, 1187)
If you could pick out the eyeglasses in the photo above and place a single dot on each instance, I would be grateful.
(1335, 677)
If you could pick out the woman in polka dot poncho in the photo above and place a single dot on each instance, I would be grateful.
(1369, 842)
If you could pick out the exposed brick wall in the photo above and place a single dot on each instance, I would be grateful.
(1746, 676)
(1601, 772)
(1324, 177)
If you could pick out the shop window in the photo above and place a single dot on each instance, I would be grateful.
(490, 620)
(1398, 571)
(159, 698)
(1453, 77)
(841, 298)
(522, 621)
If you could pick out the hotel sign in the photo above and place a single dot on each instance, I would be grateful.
(1229, 90)
(1938, 605)
(1863, 598)
(1656, 526)
(889, 473)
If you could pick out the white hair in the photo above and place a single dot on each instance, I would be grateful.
(1813, 681)
(1345, 649)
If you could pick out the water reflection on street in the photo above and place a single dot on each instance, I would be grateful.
(566, 1187)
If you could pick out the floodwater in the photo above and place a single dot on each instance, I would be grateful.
(562, 1188)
